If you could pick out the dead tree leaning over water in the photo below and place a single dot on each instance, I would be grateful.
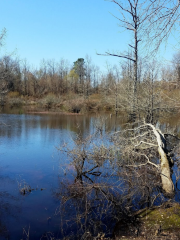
(144, 145)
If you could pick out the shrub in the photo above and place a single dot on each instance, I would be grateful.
(92, 105)
(15, 102)
(74, 105)
(49, 100)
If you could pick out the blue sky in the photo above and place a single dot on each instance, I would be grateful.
(69, 29)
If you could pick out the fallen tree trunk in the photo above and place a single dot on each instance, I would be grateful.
(165, 161)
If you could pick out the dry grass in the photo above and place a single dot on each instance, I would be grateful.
(13, 94)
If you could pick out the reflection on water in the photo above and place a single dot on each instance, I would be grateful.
(57, 203)
(28, 154)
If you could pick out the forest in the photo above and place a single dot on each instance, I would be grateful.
(83, 87)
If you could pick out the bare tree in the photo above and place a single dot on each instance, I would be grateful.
(3, 88)
(88, 73)
(25, 76)
(163, 22)
(141, 145)
(134, 15)
(63, 68)
(176, 63)
(95, 78)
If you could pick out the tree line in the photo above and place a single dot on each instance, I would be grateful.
(83, 78)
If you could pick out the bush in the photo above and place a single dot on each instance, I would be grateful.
(15, 102)
(74, 105)
(49, 101)
(93, 105)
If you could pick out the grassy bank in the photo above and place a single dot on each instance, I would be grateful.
(71, 103)
(161, 222)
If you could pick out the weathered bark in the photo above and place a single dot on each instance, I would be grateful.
(165, 162)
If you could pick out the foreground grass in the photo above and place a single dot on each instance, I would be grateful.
(152, 223)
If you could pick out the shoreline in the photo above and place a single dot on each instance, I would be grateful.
(55, 113)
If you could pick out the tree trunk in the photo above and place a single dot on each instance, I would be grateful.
(165, 162)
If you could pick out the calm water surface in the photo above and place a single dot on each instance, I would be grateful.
(29, 155)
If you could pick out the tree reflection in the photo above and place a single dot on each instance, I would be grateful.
(100, 190)
(85, 199)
